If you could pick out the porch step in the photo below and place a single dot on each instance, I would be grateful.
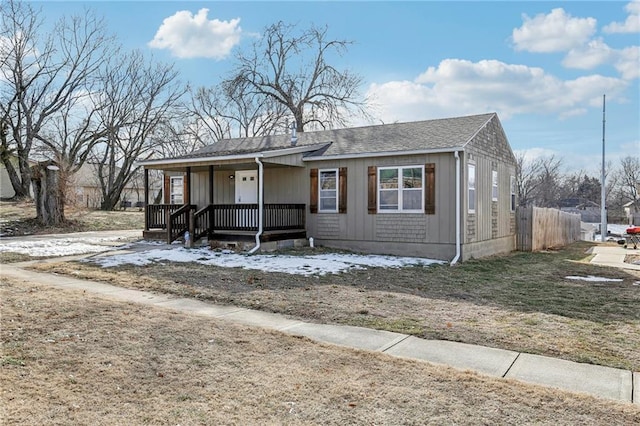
(155, 234)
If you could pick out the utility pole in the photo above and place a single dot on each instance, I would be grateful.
(603, 195)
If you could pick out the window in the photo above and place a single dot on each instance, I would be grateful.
(176, 190)
(472, 187)
(513, 193)
(400, 189)
(494, 185)
(328, 190)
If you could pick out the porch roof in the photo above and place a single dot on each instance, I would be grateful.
(439, 135)
(240, 155)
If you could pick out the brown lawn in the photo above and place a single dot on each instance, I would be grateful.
(75, 358)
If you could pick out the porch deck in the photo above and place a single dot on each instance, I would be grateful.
(224, 222)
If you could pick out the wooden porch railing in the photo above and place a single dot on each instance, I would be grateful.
(284, 216)
(202, 222)
(224, 217)
(244, 217)
(234, 217)
(157, 215)
(178, 222)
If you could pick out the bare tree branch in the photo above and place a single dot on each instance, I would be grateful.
(45, 76)
(138, 95)
(292, 70)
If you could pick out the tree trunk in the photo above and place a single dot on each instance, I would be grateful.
(21, 187)
(108, 204)
(48, 193)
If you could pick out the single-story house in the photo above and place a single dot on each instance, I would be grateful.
(632, 212)
(442, 189)
(84, 188)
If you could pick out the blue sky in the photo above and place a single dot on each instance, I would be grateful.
(542, 66)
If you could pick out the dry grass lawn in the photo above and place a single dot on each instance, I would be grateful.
(18, 218)
(521, 302)
(75, 358)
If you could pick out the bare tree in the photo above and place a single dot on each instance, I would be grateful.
(539, 181)
(294, 71)
(138, 95)
(43, 77)
(627, 182)
(526, 179)
(230, 110)
(179, 135)
(21, 66)
(549, 181)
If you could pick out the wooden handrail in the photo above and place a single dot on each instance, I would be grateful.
(202, 219)
(178, 223)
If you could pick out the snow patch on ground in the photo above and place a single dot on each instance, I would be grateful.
(59, 246)
(320, 264)
(145, 252)
(593, 279)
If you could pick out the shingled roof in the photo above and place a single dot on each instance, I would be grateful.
(437, 135)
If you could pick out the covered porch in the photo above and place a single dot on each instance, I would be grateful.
(258, 196)
(224, 222)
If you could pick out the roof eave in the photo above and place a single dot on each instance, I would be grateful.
(384, 154)
(259, 154)
(190, 160)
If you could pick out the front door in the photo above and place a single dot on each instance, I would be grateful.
(247, 193)
(246, 187)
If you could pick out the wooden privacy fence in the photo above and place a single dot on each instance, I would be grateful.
(540, 228)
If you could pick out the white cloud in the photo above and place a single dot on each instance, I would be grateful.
(555, 32)
(459, 87)
(631, 147)
(191, 36)
(589, 56)
(628, 62)
(631, 24)
(532, 154)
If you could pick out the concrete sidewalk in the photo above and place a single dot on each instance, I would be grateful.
(604, 382)
(614, 256)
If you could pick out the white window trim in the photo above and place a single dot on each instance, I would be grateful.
(494, 185)
(320, 209)
(171, 186)
(399, 189)
(472, 188)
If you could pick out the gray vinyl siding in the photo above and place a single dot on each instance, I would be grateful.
(286, 185)
(282, 185)
(357, 227)
(492, 220)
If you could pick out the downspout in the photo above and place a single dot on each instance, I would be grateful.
(458, 248)
(260, 204)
